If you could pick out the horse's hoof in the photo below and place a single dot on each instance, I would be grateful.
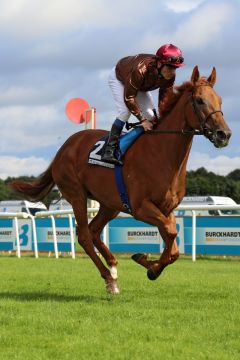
(113, 272)
(151, 275)
(112, 288)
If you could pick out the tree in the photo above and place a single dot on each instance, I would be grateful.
(234, 175)
(201, 182)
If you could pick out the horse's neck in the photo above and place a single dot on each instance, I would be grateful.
(177, 144)
(176, 119)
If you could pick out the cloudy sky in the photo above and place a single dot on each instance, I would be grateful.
(54, 50)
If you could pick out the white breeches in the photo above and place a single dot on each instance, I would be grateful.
(144, 99)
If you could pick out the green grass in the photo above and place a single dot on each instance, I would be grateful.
(58, 309)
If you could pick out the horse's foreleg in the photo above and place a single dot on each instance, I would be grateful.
(142, 259)
(85, 240)
(167, 227)
(170, 253)
(96, 226)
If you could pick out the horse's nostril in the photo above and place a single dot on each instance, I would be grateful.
(223, 135)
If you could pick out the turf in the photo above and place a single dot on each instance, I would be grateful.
(58, 309)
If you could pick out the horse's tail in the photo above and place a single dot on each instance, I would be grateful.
(36, 190)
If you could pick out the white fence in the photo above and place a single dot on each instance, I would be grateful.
(43, 214)
(21, 215)
(69, 213)
(194, 208)
(57, 213)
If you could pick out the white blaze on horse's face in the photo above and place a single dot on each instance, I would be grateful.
(207, 107)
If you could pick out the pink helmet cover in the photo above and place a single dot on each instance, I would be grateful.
(170, 54)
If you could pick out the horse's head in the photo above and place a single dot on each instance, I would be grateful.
(206, 114)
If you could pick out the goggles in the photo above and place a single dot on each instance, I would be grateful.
(173, 59)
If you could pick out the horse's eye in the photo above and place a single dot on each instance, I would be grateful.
(199, 100)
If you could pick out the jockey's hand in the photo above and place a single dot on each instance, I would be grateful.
(147, 125)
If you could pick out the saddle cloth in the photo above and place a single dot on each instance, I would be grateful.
(95, 155)
(125, 141)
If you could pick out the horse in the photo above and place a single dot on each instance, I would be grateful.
(154, 173)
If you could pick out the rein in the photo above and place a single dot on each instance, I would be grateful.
(180, 132)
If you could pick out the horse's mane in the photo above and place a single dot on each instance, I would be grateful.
(173, 95)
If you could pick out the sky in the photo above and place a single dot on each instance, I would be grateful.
(55, 50)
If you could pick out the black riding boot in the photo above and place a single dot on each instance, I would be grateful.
(112, 144)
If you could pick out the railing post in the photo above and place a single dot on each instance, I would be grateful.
(72, 236)
(54, 236)
(34, 231)
(193, 235)
(105, 235)
(17, 237)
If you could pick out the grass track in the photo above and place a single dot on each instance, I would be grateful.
(58, 309)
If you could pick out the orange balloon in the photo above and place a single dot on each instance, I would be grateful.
(75, 110)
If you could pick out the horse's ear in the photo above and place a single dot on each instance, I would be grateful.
(195, 75)
(212, 78)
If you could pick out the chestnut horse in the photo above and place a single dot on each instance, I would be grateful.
(154, 172)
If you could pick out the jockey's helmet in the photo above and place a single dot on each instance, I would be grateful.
(170, 54)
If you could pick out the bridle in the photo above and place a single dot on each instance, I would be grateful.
(204, 130)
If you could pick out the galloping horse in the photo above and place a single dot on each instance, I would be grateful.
(154, 173)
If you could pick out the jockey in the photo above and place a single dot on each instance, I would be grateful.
(131, 82)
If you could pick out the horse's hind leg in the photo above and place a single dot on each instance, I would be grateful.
(85, 240)
(96, 226)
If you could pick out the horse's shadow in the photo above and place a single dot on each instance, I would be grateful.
(41, 296)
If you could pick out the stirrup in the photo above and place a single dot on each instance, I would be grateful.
(112, 160)
(109, 157)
